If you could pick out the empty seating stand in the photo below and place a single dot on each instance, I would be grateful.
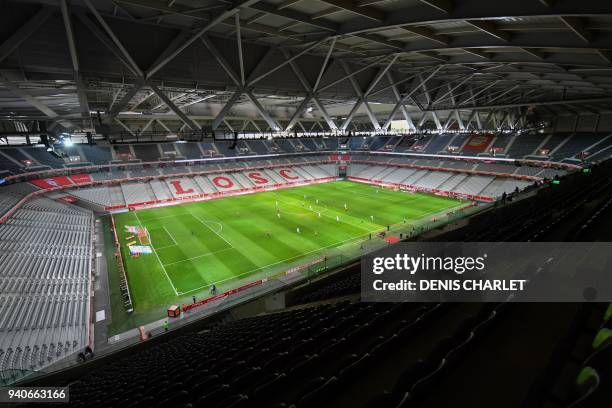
(250, 361)
(405, 144)
(309, 144)
(224, 147)
(147, 152)
(437, 143)
(46, 257)
(45, 158)
(17, 155)
(97, 154)
(9, 166)
(576, 144)
(285, 145)
(501, 141)
(378, 142)
(189, 150)
(257, 146)
(11, 194)
(330, 143)
(525, 145)
(358, 143)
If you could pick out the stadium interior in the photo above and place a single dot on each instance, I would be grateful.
(188, 187)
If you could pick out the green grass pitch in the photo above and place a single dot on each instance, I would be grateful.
(236, 238)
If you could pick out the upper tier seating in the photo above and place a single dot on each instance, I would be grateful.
(36, 158)
(285, 145)
(437, 143)
(207, 148)
(525, 145)
(405, 144)
(391, 143)
(243, 148)
(8, 166)
(458, 141)
(223, 147)
(123, 152)
(552, 142)
(603, 154)
(17, 154)
(502, 140)
(358, 143)
(578, 143)
(258, 146)
(44, 157)
(319, 143)
(189, 150)
(330, 143)
(309, 144)
(97, 154)
(378, 142)
(146, 152)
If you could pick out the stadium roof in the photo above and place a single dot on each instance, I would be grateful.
(63, 60)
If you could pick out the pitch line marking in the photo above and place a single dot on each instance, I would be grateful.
(168, 216)
(281, 261)
(165, 246)
(170, 235)
(336, 244)
(215, 232)
(331, 216)
(199, 256)
(158, 260)
(215, 222)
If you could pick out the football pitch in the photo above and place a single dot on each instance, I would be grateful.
(232, 239)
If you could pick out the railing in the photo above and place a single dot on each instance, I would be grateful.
(124, 285)
(450, 170)
(416, 188)
(91, 183)
(160, 163)
(165, 163)
(341, 156)
(273, 278)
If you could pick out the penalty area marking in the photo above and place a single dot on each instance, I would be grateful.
(158, 260)
(199, 256)
(170, 235)
(336, 244)
(165, 246)
(278, 262)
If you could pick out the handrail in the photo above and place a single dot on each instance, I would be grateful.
(123, 165)
(18, 205)
(36, 193)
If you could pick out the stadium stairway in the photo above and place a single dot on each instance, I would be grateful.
(270, 360)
